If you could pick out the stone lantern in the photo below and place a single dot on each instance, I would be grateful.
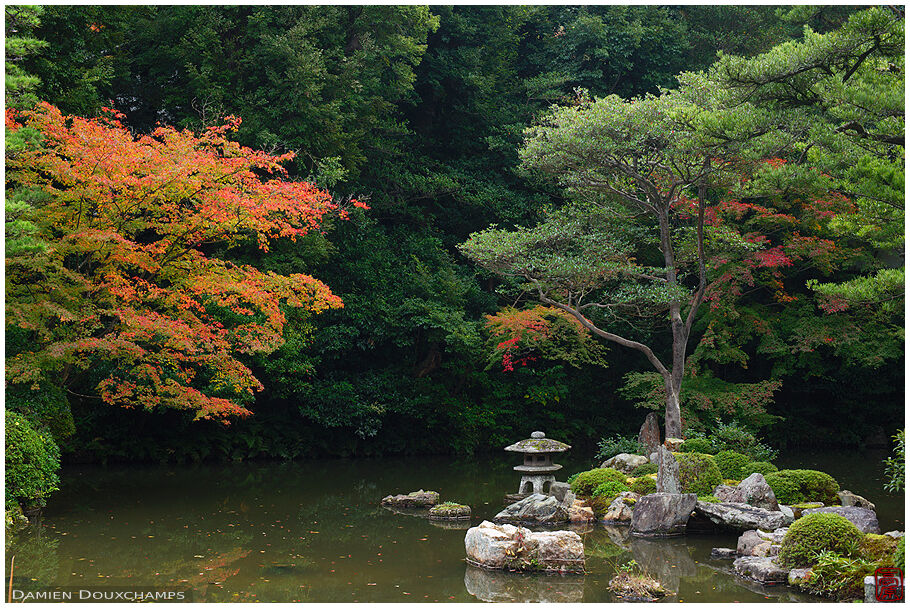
(537, 470)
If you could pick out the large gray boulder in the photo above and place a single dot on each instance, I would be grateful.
(625, 463)
(849, 499)
(755, 491)
(662, 514)
(514, 548)
(762, 569)
(864, 519)
(667, 472)
(620, 510)
(649, 435)
(740, 516)
(419, 499)
(535, 509)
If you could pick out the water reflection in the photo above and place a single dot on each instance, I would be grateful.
(451, 524)
(499, 586)
(666, 559)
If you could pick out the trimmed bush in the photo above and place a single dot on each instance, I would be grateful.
(610, 490)
(697, 444)
(644, 485)
(731, 463)
(645, 469)
(803, 485)
(32, 462)
(698, 473)
(811, 534)
(765, 468)
(585, 482)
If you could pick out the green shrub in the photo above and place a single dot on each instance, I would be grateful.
(765, 468)
(737, 439)
(697, 444)
(899, 554)
(698, 473)
(586, 481)
(803, 485)
(644, 485)
(609, 447)
(32, 462)
(610, 490)
(645, 469)
(895, 467)
(811, 534)
(838, 577)
(731, 463)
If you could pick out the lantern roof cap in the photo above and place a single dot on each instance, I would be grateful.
(538, 444)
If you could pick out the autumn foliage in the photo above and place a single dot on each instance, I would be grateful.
(122, 283)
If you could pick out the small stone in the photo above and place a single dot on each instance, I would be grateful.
(673, 443)
(755, 491)
(723, 553)
(747, 542)
(579, 513)
(535, 509)
(762, 569)
(775, 537)
(849, 499)
(895, 534)
(620, 510)
(798, 576)
(414, 500)
(538, 435)
(559, 489)
(450, 510)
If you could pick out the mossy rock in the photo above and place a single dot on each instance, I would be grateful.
(709, 498)
(817, 532)
(584, 483)
(878, 547)
(450, 510)
(731, 463)
(698, 474)
(793, 486)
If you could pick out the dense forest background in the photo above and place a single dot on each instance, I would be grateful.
(420, 112)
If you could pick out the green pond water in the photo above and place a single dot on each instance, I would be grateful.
(314, 531)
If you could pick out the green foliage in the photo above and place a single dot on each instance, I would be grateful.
(792, 486)
(608, 447)
(644, 485)
(878, 547)
(698, 473)
(709, 498)
(839, 577)
(731, 463)
(697, 444)
(896, 466)
(32, 462)
(610, 490)
(899, 553)
(586, 482)
(735, 438)
(765, 468)
(46, 405)
(811, 534)
(20, 24)
(645, 469)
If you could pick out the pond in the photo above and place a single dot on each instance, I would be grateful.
(314, 531)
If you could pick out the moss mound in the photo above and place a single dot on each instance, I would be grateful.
(765, 468)
(731, 463)
(709, 498)
(644, 485)
(698, 473)
(450, 510)
(803, 485)
(878, 547)
(645, 469)
(586, 482)
(609, 490)
(32, 462)
(899, 554)
(697, 444)
(817, 532)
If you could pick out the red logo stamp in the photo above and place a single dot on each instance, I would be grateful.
(889, 585)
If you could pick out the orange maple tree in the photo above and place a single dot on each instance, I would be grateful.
(121, 278)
